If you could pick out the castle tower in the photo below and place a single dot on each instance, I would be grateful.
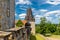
(29, 17)
(7, 16)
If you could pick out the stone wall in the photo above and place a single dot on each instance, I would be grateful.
(33, 27)
(7, 16)
(12, 13)
(19, 33)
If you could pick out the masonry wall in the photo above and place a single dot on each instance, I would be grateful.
(7, 16)
(33, 27)
(12, 13)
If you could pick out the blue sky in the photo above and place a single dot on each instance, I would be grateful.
(40, 8)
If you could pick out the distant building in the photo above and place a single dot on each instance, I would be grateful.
(29, 17)
(7, 14)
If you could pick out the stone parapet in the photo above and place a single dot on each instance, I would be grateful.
(18, 33)
(5, 35)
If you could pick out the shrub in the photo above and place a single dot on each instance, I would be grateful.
(19, 23)
(37, 29)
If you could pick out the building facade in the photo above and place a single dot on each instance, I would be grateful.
(7, 14)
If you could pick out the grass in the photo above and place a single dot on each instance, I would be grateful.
(55, 36)
(32, 37)
(36, 37)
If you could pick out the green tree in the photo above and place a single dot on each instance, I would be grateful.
(42, 25)
(46, 26)
(58, 28)
(59, 22)
(37, 27)
(19, 23)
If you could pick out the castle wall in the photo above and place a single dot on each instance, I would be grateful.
(12, 13)
(6, 15)
(33, 27)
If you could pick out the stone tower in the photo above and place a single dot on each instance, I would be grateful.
(29, 17)
(7, 14)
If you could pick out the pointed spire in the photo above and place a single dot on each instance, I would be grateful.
(29, 16)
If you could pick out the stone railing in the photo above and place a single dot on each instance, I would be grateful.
(14, 34)
(5, 35)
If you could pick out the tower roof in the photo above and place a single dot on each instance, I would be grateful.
(29, 16)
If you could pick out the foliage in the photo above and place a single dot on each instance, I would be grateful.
(32, 37)
(57, 32)
(19, 23)
(36, 37)
(46, 27)
(37, 28)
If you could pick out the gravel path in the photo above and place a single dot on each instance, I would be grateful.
(48, 38)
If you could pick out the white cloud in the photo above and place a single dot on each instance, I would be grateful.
(37, 19)
(22, 15)
(23, 2)
(54, 2)
(56, 13)
(40, 11)
(49, 18)
(35, 12)
(43, 10)
(38, 16)
(23, 8)
(15, 14)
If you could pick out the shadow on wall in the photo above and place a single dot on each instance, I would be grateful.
(32, 37)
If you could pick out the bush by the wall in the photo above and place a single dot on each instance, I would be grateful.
(19, 23)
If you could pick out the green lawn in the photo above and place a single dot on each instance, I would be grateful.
(32, 37)
(55, 36)
(36, 37)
